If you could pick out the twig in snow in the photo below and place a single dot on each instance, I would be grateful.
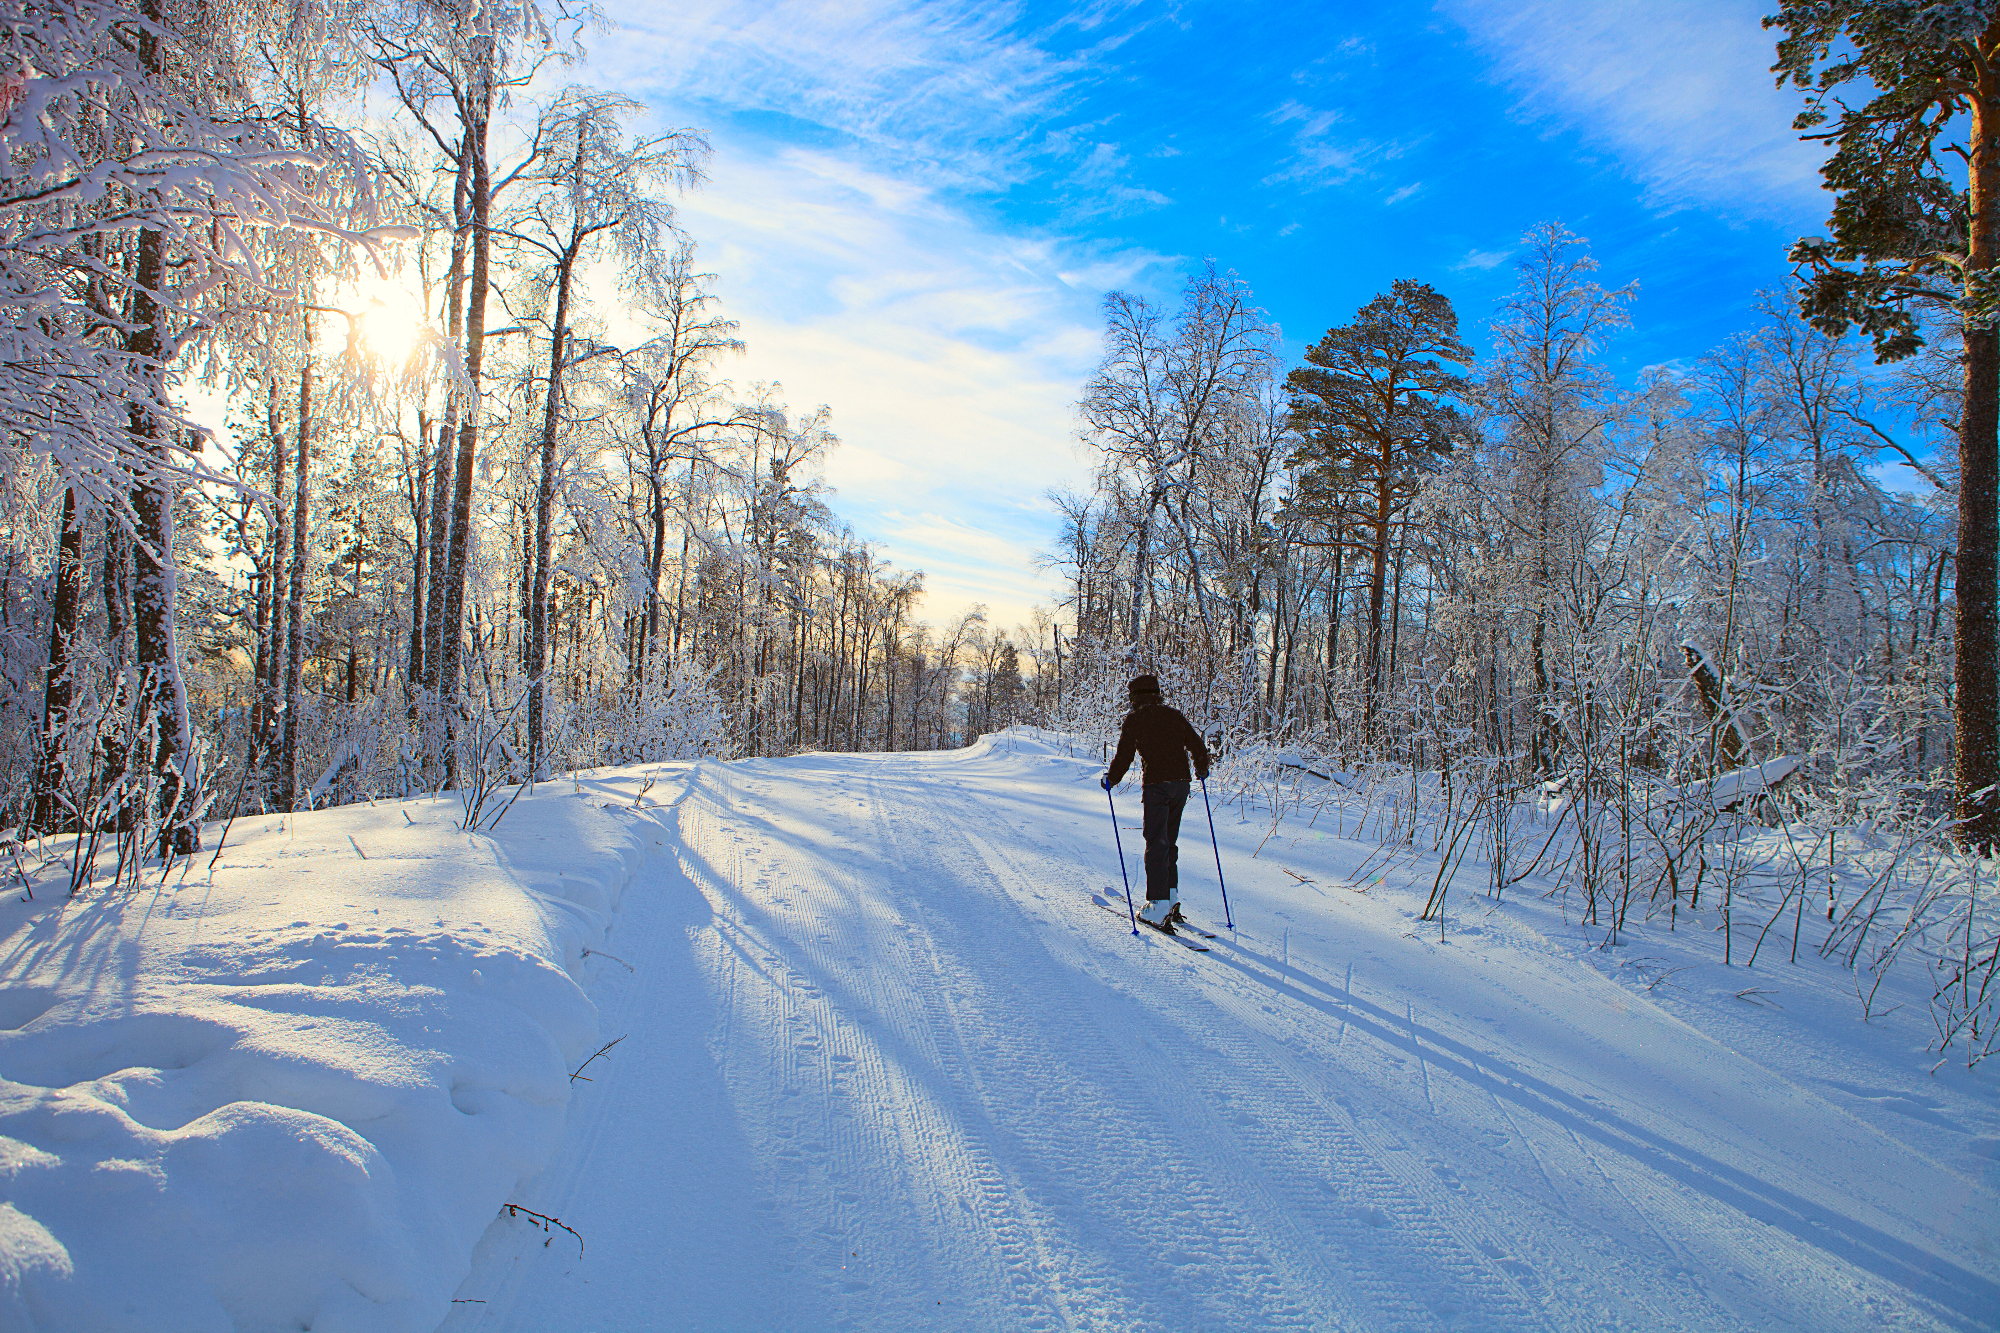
(235, 808)
(1296, 875)
(17, 870)
(1655, 972)
(599, 953)
(1751, 995)
(600, 1050)
(516, 1210)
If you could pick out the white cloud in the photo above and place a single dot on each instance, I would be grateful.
(950, 352)
(1325, 148)
(1481, 259)
(1681, 93)
(950, 348)
(947, 87)
(1398, 195)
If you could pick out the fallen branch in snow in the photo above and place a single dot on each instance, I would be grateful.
(1305, 768)
(516, 1210)
(1750, 995)
(600, 1050)
(599, 953)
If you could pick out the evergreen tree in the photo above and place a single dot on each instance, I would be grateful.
(1371, 408)
(1906, 237)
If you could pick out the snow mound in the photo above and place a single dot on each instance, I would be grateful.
(293, 1093)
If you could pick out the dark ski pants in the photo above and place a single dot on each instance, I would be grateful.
(1163, 803)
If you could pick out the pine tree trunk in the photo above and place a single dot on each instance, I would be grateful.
(162, 696)
(59, 692)
(1378, 572)
(1977, 672)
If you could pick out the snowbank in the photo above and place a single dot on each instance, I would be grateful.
(294, 1093)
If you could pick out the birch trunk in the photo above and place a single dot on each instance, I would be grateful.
(288, 770)
(538, 601)
(450, 645)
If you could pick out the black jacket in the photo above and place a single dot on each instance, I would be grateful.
(1164, 740)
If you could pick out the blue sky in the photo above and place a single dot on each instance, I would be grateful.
(915, 209)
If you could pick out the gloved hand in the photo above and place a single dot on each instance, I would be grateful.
(1105, 782)
(1201, 775)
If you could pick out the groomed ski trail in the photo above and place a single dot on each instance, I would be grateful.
(886, 1066)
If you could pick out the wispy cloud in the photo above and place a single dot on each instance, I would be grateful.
(1481, 260)
(1325, 147)
(1102, 174)
(1681, 93)
(950, 353)
(947, 86)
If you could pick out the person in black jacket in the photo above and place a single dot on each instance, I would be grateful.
(1164, 740)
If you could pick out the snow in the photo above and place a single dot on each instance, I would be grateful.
(885, 1065)
(293, 1097)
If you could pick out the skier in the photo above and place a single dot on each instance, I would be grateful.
(1164, 740)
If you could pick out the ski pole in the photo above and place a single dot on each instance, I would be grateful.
(1226, 920)
(1129, 909)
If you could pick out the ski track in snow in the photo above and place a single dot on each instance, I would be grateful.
(887, 1066)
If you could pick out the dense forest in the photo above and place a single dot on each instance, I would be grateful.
(458, 534)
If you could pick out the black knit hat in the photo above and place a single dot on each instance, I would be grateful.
(1144, 687)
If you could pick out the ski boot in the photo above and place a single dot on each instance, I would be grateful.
(1161, 913)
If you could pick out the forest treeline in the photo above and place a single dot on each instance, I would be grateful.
(536, 519)
(444, 538)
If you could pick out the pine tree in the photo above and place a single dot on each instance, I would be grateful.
(1372, 410)
(1907, 238)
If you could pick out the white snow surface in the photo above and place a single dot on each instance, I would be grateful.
(293, 1097)
(885, 1064)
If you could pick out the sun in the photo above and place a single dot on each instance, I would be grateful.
(391, 316)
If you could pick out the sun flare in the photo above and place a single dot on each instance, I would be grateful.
(391, 316)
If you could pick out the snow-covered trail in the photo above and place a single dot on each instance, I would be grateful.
(889, 1067)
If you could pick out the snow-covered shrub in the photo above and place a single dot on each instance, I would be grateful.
(672, 714)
